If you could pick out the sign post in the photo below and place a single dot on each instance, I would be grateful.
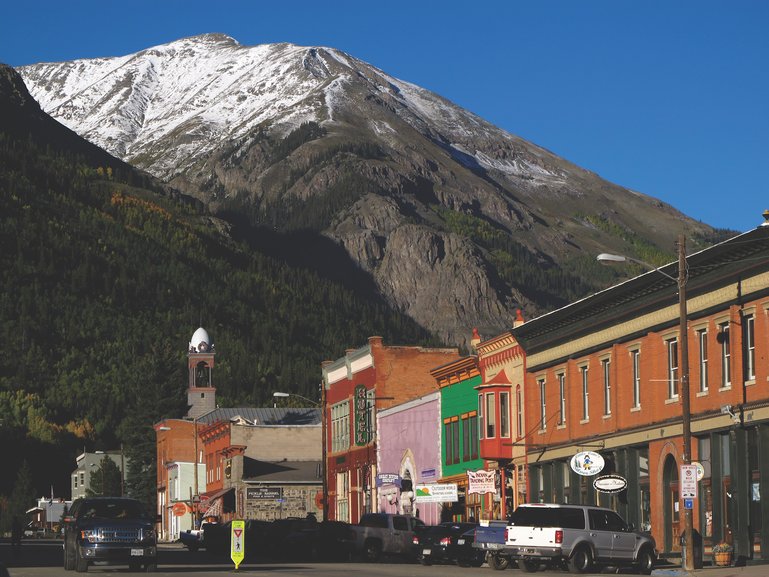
(237, 543)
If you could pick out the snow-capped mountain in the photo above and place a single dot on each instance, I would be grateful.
(415, 188)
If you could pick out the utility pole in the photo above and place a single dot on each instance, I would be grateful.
(685, 400)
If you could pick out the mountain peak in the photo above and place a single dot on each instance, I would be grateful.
(409, 184)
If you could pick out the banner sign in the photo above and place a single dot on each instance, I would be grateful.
(388, 479)
(587, 463)
(264, 493)
(481, 481)
(437, 493)
(361, 412)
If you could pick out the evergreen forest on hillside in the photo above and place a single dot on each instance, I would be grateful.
(104, 283)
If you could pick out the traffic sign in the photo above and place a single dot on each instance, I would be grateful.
(688, 503)
(688, 481)
(238, 543)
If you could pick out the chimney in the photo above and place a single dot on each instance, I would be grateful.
(518, 318)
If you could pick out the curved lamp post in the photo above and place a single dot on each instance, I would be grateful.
(688, 557)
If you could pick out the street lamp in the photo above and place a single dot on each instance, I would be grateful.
(322, 404)
(686, 418)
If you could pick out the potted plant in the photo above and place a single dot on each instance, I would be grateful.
(722, 554)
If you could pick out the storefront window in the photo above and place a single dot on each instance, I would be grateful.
(645, 523)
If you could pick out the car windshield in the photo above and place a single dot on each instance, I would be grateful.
(122, 509)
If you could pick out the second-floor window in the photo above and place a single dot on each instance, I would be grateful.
(451, 440)
(726, 355)
(470, 436)
(702, 346)
(561, 398)
(518, 411)
(340, 426)
(585, 394)
(635, 360)
(491, 417)
(606, 371)
(504, 414)
(748, 324)
(672, 348)
(542, 405)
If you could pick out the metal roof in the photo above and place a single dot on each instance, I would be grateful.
(265, 416)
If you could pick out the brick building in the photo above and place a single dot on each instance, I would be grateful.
(603, 374)
(354, 388)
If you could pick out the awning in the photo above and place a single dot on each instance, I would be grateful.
(220, 502)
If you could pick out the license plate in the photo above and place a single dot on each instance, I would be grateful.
(460, 541)
(137, 552)
(531, 551)
(426, 551)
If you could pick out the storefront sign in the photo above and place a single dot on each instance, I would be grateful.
(264, 493)
(388, 479)
(610, 484)
(700, 470)
(428, 474)
(587, 463)
(361, 415)
(481, 481)
(437, 493)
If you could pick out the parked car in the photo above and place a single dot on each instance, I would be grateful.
(490, 540)
(109, 530)
(325, 541)
(440, 543)
(578, 537)
(380, 534)
(467, 554)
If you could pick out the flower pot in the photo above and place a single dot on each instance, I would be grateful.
(722, 558)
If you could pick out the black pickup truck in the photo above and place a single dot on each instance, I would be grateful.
(109, 530)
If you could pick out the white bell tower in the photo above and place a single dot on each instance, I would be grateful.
(201, 393)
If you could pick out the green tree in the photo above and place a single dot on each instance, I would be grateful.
(106, 480)
(22, 497)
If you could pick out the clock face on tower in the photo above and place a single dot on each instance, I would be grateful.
(203, 347)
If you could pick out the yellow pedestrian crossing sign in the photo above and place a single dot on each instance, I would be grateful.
(237, 542)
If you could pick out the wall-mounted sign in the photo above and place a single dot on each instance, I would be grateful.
(481, 481)
(388, 479)
(264, 493)
(610, 484)
(437, 493)
(428, 474)
(361, 415)
(587, 463)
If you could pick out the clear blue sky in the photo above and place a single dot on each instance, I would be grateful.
(667, 97)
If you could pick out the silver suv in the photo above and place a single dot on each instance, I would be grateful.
(577, 536)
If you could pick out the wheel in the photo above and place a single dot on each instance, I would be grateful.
(580, 560)
(81, 563)
(69, 559)
(150, 568)
(645, 561)
(528, 565)
(373, 551)
(498, 562)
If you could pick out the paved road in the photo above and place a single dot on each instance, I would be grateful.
(43, 559)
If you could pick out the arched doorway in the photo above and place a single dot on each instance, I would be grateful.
(671, 504)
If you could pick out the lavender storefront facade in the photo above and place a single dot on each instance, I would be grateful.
(408, 454)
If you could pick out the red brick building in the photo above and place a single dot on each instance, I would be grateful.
(604, 374)
(354, 388)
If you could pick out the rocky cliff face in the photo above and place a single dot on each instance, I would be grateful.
(457, 221)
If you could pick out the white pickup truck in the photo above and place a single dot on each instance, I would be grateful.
(380, 534)
(577, 537)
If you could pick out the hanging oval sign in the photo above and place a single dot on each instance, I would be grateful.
(587, 463)
(610, 484)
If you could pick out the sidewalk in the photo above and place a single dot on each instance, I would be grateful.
(754, 570)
